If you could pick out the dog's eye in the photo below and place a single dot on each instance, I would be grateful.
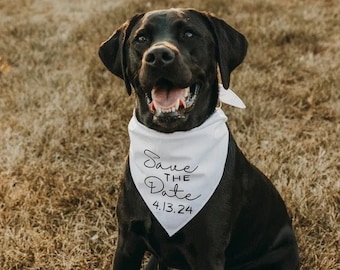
(188, 34)
(141, 39)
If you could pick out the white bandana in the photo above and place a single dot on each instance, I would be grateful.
(177, 173)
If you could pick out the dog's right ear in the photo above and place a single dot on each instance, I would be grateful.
(112, 51)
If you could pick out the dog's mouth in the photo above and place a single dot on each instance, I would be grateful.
(170, 101)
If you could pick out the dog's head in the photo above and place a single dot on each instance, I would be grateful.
(170, 58)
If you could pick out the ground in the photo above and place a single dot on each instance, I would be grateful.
(63, 123)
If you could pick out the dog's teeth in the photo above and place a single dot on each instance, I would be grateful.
(158, 110)
(167, 110)
(187, 91)
(182, 103)
(177, 104)
(152, 106)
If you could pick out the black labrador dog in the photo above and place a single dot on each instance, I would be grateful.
(171, 59)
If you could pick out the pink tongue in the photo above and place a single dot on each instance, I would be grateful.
(163, 98)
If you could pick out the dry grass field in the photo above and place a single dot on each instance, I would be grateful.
(63, 123)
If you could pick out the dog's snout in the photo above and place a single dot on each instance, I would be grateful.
(160, 56)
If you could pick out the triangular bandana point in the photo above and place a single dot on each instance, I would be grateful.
(173, 172)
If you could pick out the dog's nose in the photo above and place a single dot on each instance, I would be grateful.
(159, 56)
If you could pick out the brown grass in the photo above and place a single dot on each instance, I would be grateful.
(63, 121)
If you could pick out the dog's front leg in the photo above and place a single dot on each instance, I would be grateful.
(129, 253)
(208, 260)
(209, 263)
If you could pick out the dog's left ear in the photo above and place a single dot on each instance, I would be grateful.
(112, 51)
(231, 47)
